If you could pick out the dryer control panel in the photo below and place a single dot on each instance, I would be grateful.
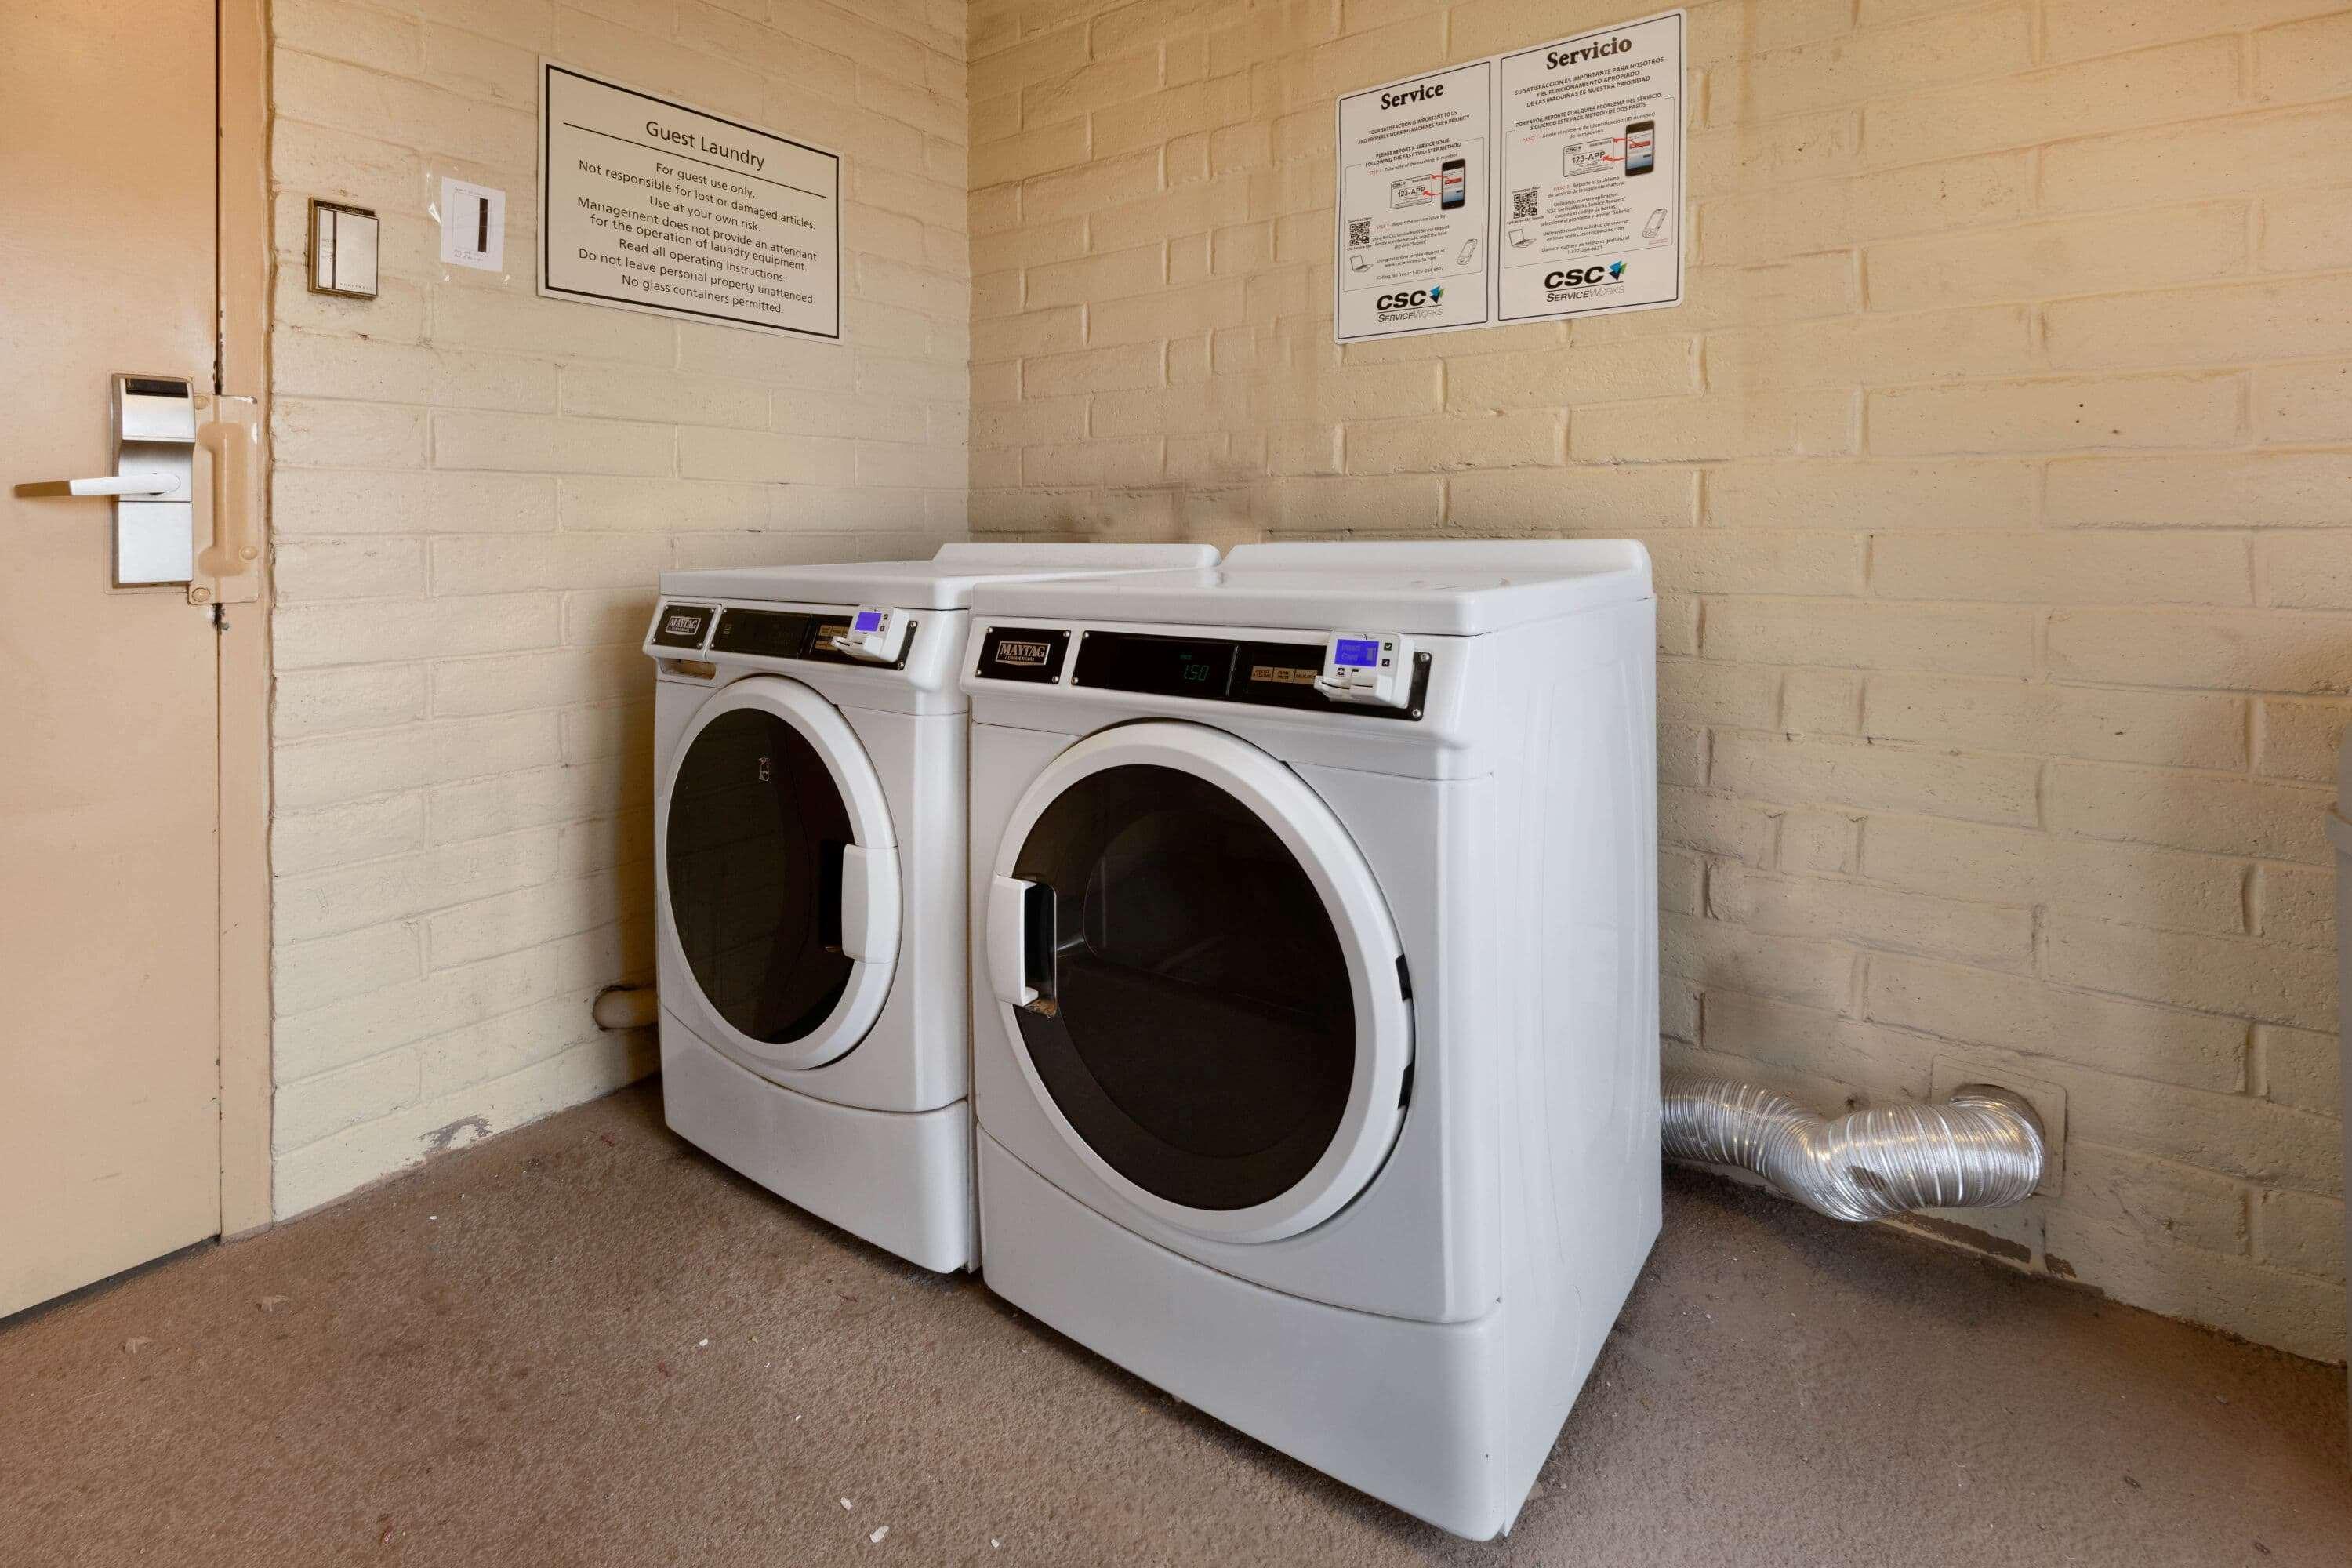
(1256, 670)
(816, 636)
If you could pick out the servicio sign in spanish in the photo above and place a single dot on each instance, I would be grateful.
(1575, 210)
(646, 204)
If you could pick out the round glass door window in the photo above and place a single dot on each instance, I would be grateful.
(755, 838)
(1202, 1037)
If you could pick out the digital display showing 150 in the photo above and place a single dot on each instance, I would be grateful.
(1176, 666)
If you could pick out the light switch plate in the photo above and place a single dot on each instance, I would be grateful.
(344, 246)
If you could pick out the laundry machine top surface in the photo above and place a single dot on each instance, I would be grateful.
(945, 582)
(1444, 588)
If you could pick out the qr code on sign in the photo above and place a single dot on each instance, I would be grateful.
(1523, 202)
(1359, 231)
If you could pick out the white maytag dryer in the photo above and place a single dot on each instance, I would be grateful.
(1315, 990)
(809, 754)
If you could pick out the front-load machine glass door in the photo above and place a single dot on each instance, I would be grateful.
(1204, 980)
(779, 876)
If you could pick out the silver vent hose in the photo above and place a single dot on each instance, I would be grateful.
(1982, 1148)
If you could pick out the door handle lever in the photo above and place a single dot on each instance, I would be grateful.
(151, 485)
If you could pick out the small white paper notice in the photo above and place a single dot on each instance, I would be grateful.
(473, 225)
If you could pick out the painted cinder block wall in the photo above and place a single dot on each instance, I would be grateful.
(474, 489)
(1998, 474)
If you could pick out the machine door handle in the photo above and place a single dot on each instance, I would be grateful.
(1021, 945)
(869, 902)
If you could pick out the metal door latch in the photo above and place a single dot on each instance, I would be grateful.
(161, 425)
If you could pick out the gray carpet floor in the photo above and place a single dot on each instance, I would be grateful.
(585, 1343)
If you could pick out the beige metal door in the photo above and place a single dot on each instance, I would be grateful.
(109, 1077)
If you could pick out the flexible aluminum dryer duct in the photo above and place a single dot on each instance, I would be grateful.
(1982, 1148)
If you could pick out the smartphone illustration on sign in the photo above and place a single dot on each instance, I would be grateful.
(1452, 183)
(1641, 147)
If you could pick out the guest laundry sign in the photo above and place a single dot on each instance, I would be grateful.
(647, 205)
(1539, 185)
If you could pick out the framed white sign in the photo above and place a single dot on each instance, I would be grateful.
(649, 204)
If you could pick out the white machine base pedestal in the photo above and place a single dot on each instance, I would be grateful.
(1315, 1381)
(901, 1181)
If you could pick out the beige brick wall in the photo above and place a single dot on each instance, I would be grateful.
(1998, 477)
(474, 491)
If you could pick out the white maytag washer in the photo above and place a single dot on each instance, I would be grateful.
(810, 746)
(1315, 1049)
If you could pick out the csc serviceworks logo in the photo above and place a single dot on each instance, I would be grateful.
(1411, 301)
(1585, 276)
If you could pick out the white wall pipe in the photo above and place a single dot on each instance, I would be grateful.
(625, 1007)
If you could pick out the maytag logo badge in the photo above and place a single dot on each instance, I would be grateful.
(1033, 653)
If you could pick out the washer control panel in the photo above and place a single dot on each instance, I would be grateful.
(876, 633)
(1372, 669)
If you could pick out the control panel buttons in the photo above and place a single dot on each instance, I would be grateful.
(876, 633)
(1374, 668)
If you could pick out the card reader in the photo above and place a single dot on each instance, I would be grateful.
(1374, 668)
(876, 633)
